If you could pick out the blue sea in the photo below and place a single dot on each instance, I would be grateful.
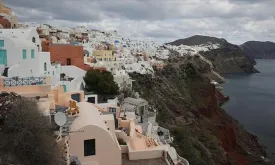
(252, 101)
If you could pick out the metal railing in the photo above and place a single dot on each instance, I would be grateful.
(182, 161)
(170, 160)
(16, 81)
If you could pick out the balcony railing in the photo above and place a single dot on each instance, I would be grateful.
(182, 161)
(170, 160)
(15, 81)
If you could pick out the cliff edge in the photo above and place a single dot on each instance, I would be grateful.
(226, 57)
(259, 50)
(188, 106)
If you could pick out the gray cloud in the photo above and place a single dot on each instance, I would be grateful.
(162, 20)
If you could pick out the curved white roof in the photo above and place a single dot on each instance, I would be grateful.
(88, 115)
(19, 33)
(19, 42)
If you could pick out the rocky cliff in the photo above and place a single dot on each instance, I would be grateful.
(187, 105)
(259, 50)
(226, 57)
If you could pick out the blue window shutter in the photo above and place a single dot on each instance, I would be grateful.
(3, 57)
(32, 53)
(2, 44)
(24, 54)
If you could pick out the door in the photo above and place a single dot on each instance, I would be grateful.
(64, 88)
(76, 97)
(116, 121)
(68, 61)
(3, 57)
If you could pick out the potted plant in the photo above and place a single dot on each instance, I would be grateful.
(62, 76)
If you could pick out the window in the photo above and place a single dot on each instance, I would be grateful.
(68, 61)
(24, 54)
(109, 59)
(33, 40)
(112, 109)
(2, 43)
(91, 100)
(89, 147)
(32, 53)
(45, 66)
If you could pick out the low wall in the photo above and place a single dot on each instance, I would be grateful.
(34, 90)
(123, 123)
(132, 128)
(124, 149)
(146, 154)
(122, 135)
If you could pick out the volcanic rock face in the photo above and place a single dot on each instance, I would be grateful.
(259, 50)
(226, 57)
(187, 105)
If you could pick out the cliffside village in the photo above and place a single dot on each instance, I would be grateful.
(39, 60)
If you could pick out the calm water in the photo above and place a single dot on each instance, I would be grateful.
(252, 101)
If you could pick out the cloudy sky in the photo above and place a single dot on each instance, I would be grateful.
(160, 20)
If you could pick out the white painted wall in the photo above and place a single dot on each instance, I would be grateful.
(44, 58)
(17, 65)
(23, 34)
(73, 71)
(77, 74)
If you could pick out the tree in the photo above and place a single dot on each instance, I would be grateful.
(100, 82)
(26, 136)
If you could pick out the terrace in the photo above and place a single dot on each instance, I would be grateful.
(28, 86)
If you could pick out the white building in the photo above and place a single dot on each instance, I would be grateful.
(29, 34)
(120, 77)
(20, 56)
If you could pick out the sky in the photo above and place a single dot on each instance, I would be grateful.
(163, 21)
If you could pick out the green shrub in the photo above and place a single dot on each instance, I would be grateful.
(190, 148)
(100, 82)
(26, 136)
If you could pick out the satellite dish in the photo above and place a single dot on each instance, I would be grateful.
(60, 118)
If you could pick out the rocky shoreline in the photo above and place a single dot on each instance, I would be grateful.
(189, 106)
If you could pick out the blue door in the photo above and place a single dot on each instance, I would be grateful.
(64, 88)
(3, 57)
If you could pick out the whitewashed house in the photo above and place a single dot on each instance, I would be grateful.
(121, 77)
(20, 53)
(20, 56)
(29, 34)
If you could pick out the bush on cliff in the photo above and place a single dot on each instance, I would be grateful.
(26, 136)
(190, 147)
(100, 82)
